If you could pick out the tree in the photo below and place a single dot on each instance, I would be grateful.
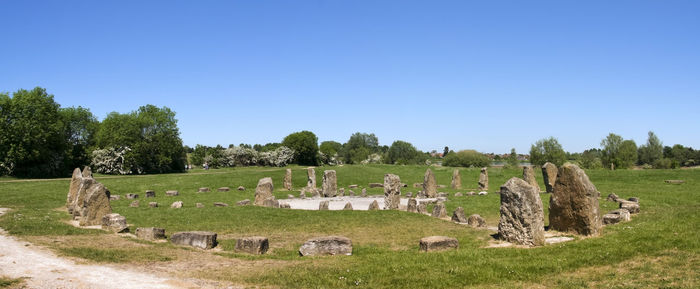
(445, 151)
(512, 161)
(547, 150)
(627, 154)
(403, 153)
(466, 158)
(359, 147)
(652, 151)
(611, 148)
(590, 159)
(80, 127)
(305, 146)
(330, 148)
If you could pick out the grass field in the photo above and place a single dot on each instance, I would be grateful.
(657, 249)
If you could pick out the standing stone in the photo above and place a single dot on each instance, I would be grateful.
(458, 215)
(323, 206)
(150, 194)
(252, 245)
(409, 195)
(549, 175)
(364, 193)
(87, 172)
(73, 189)
(348, 206)
(115, 223)
(412, 206)
(529, 177)
(573, 206)
(263, 191)
(150, 234)
(522, 215)
(341, 192)
(456, 180)
(422, 208)
(439, 211)
(429, 184)
(288, 180)
(392, 191)
(330, 184)
(437, 243)
(373, 206)
(311, 181)
(331, 245)
(197, 239)
(476, 221)
(134, 204)
(95, 205)
(484, 179)
(176, 205)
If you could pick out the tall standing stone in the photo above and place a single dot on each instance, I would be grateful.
(429, 184)
(330, 184)
(549, 175)
(573, 206)
(529, 177)
(456, 180)
(288, 180)
(522, 215)
(412, 206)
(263, 191)
(95, 205)
(392, 191)
(73, 189)
(439, 211)
(484, 179)
(311, 181)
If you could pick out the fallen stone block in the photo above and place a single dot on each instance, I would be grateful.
(438, 243)
(331, 245)
(197, 239)
(252, 245)
(150, 234)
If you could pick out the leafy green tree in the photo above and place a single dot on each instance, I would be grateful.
(330, 148)
(547, 150)
(466, 158)
(590, 159)
(404, 153)
(80, 127)
(305, 146)
(359, 147)
(628, 154)
(512, 161)
(652, 151)
(611, 149)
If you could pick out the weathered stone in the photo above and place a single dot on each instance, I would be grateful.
(330, 184)
(404, 185)
(438, 243)
(94, 205)
(573, 206)
(476, 221)
(442, 195)
(549, 175)
(612, 198)
(441, 186)
(75, 182)
(150, 194)
(150, 233)
(176, 205)
(271, 203)
(529, 177)
(87, 172)
(484, 179)
(243, 202)
(114, 222)
(458, 194)
(131, 196)
(483, 193)
(456, 180)
(341, 192)
(351, 193)
(287, 184)
(422, 208)
(331, 245)
(375, 185)
(458, 215)
(409, 195)
(203, 190)
(263, 191)
(353, 186)
(412, 206)
(364, 193)
(392, 191)
(429, 184)
(373, 206)
(439, 211)
(632, 207)
(199, 205)
(674, 181)
(197, 239)
(285, 206)
(633, 199)
(134, 204)
(522, 215)
(172, 193)
(417, 185)
(616, 216)
(290, 196)
(219, 204)
(442, 199)
(323, 206)
(311, 178)
(223, 189)
(252, 245)
(114, 197)
(302, 194)
(471, 193)
(241, 188)
(153, 204)
(348, 206)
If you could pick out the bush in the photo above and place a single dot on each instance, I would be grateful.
(404, 153)
(547, 150)
(305, 146)
(466, 158)
(112, 161)
(665, 163)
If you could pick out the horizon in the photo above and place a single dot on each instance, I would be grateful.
(467, 75)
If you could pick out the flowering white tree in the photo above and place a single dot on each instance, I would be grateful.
(111, 161)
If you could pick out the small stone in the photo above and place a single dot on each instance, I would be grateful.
(241, 188)
(172, 193)
(438, 243)
(199, 205)
(373, 206)
(632, 207)
(134, 204)
(417, 185)
(332, 245)
(252, 245)
(176, 205)
(633, 199)
(471, 193)
(441, 186)
(674, 181)
(114, 222)
(351, 193)
(439, 211)
(150, 234)
(456, 180)
(153, 204)
(310, 178)
(243, 202)
(323, 206)
(290, 196)
(203, 190)
(219, 204)
(114, 197)
(364, 193)
(131, 196)
(458, 215)
(409, 195)
(285, 206)
(150, 194)
(223, 189)
(375, 185)
(476, 221)
(271, 203)
(341, 192)
(197, 239)
(483, 193)
(616, 216)
(412, 206)
(353, 186)
(612, 198)
(458, 194)
(348, 206)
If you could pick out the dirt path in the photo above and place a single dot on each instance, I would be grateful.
(41, 268)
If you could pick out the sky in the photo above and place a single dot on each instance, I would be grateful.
(484, 75)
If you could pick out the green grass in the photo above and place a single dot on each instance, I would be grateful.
(385, 253)
(7, 282)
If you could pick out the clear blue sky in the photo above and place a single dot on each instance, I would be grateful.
(485, 75)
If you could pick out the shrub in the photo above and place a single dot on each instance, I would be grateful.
(305, 146)
(466, 158)
(547, 150)
(665, 163)
(404, 153)
(112, 161)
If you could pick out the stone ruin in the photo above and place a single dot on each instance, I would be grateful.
(429, 184)
(456, 180)
(87, 199)
(522, 215)
(484, 179)
(392, 191)
(549, 175)
(529, 177)
(573, 206)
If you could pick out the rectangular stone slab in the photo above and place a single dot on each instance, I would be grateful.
(197, 239)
